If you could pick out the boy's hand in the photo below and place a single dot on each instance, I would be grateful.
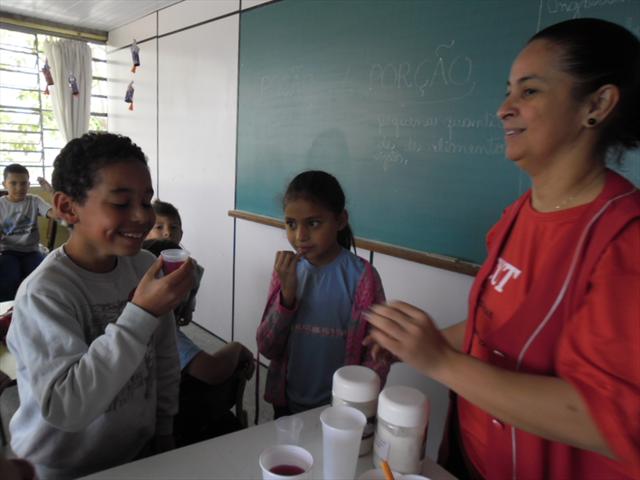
(246, 364)
(161, 295)
(46, 186)
(285, 267)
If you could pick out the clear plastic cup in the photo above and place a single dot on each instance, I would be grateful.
(172, 258)
(286, 462)
(288, 430)
(342, 429)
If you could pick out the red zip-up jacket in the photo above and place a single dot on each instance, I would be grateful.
(531, 340)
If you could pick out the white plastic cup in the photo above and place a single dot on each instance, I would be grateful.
(172, 258)
(288, 430)
(342, 429)
(357, 386)
(273, 459)
(412, 476)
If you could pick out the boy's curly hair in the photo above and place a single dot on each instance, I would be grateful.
(76, 167)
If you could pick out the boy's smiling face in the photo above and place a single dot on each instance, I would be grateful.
(17, 185)
(114, 218)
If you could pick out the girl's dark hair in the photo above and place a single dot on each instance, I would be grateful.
(76, 167)
(596, 52)
(322, 188)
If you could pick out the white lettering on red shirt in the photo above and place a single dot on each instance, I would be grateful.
(502, 274)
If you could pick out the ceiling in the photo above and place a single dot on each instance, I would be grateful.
(103, 15)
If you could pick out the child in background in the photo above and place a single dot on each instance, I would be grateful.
(168, 224)
(93, 330)
(313, 322)
(209, 381)
(19, 237)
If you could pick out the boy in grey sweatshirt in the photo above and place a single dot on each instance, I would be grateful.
(93, 330)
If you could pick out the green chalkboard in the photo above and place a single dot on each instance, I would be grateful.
(398, 100)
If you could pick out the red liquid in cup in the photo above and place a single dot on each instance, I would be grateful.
(168, 267)
(286, 470)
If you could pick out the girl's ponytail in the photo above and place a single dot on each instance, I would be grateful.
(346, 239)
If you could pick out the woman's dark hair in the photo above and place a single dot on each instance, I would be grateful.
(76, 167)
(324, 189)
(596, 52)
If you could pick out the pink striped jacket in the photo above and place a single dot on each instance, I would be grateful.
(273, 334)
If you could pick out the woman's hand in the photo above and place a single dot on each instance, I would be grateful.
(561, 415)
(409, 334)
(285, 266)
(159, 295)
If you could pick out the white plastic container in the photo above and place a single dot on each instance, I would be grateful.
(358, 387)
(401, 431)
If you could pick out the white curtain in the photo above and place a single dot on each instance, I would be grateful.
(70, 57)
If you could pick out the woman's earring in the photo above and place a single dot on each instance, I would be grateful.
(592, 121)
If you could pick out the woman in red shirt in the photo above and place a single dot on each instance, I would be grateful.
(545, 372)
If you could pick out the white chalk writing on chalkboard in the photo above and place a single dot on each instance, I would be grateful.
(577, 7)
(429, 73)
(289, 83)
(397, 140)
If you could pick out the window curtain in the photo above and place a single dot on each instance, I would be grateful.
(70, 57)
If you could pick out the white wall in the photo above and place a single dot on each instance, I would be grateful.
(139, 123)
(191, 12)
(195, 73)
(197, 124)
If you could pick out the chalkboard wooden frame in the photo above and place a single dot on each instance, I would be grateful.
(431, 259)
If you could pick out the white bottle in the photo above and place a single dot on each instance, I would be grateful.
(401, 431)
(357, 386)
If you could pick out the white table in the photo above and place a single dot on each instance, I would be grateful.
(235, 456)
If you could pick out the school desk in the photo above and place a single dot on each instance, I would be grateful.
(235, 456)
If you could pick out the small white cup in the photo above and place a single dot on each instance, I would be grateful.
(412, 476)
(285, 455)
(172, 258)
(342, 429)
(288, 430)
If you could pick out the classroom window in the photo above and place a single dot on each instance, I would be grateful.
(29, 133)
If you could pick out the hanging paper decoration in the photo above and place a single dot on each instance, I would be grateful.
(128, 97)
(73, 84)
(135, 56)
(46, 71)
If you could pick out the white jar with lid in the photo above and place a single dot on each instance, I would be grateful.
(401, 431)
(357, 386)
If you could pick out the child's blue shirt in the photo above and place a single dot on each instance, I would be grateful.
(317, 342)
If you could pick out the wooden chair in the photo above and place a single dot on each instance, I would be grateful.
(51, 233)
